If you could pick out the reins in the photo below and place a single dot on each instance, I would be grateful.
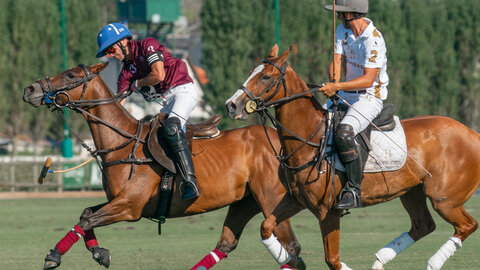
(261, 107)
(51, 98)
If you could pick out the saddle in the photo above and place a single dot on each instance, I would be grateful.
(159, 149)
(384, 121)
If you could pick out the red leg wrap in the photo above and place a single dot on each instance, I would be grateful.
(210, 260)
(286, 267)
(90, 239)
(71, 238)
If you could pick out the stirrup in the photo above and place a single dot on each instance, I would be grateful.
(196, 191)
(357, 200)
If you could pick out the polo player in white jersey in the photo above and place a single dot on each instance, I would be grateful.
(362, 47)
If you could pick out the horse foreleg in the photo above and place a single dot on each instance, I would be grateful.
(284, 233)
(415, 202)
(100, 255)
(330, 227)
(285, 248)
(239, 214)
(271, 243)
(108, 213)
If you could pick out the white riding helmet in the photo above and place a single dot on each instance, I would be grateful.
(359, 6)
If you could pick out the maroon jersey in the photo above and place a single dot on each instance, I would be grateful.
(176, 72)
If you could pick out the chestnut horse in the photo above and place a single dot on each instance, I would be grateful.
(442, 165)
(237, 168)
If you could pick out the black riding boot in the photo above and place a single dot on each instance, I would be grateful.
(182, 157)
(349, 154)
(351, 196)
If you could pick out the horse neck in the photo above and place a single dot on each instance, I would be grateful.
(301, 116)
(114, 114)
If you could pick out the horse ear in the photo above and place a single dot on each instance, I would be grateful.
(274, 51)
(284, 55)
(98, 67)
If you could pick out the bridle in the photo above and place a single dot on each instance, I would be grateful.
(261, 106)
(257, 103)
(51, 94)
(51, 98)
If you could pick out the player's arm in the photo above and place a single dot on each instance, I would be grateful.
(157, 74)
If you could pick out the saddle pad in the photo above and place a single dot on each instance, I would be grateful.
(389, 150)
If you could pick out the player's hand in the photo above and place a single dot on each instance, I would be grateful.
(328, 89)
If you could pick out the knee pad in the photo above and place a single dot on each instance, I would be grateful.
(171, 126)
(345, 143)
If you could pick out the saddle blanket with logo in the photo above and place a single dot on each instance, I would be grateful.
(389, 150)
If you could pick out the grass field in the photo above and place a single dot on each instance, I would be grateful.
(30, 227)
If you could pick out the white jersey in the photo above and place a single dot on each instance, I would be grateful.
(368, 50)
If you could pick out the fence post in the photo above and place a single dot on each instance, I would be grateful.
(60, 177)
(12, 176)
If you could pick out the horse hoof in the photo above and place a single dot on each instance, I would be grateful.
(300, 264)
(50, 265)
(101, 256)
(377, 265)
(52, 260)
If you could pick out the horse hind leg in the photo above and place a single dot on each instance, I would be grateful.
(239, 214)
(464, 225)
(415, 202)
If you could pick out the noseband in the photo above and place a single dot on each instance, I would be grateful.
(257, 103)
(50, 93)
(260, 105)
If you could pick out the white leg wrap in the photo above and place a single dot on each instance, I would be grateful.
(279, 253)
(377, 265)
(392, 249)
(446, 251)
(345, 267)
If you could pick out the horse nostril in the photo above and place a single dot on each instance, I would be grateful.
(29, 89)
(231, 107)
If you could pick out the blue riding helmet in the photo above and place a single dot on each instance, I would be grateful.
(109, 35)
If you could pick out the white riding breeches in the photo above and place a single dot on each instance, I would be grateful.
(180, 101)
(364, 108)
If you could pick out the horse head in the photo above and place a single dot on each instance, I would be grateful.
(265, 85)
(63, 88)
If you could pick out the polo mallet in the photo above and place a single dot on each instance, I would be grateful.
(47, 165)
(44, 171)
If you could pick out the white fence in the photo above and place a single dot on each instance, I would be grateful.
(20, 173)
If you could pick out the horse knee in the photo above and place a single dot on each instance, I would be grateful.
(267, 227)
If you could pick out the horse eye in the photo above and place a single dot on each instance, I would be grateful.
(266, 77)
(70, 75)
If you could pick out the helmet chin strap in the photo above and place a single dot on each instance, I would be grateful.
(347, 21)
(124, 51)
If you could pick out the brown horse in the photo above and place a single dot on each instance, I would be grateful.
(442, 165)
(236, 169)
